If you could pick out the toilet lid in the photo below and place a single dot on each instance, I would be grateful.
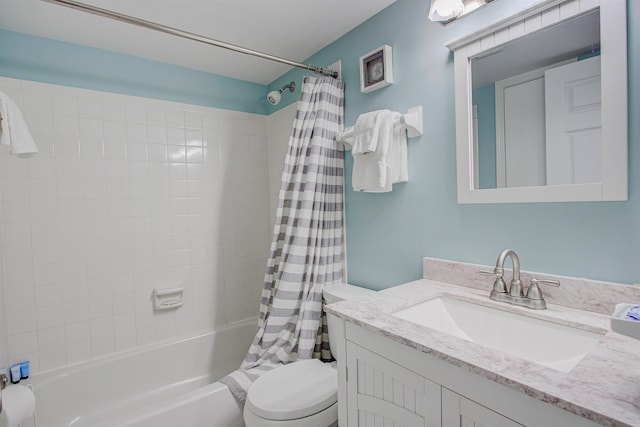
(296, 390)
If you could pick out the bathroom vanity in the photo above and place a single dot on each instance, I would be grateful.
(403, 370)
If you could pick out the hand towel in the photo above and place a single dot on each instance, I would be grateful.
(370, 175)
(366, 132)
(398, 155)
(13, 129)
(372, 171)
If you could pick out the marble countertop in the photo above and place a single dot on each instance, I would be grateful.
(604, 387)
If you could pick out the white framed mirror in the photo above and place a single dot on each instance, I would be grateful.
(541, 105)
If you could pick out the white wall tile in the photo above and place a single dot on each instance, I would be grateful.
(53, 358)
(175, 117)
(78, 332)
(78, 352)
(21, 343)
(14, 189)
(137, 170)
(14, 169)
(49, 296)
(18, 233)
(66, 146)
(175, 136)
(76, 313)
(36, 102)
(135, 113)
(15, 211)
(22, 322)
(50, 316)
(65, 126)
(68, 168)
(127, 194)
(89, 107)
(113, 111)
(90, 128)
(41, 167)
(136, 132)
(18, 256)
(18, 300)
(102, 346)
(65, 105)
(91, 148)
(114, 131)
(194, 137)
(51, 338)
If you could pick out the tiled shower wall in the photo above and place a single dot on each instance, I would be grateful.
(127, 195)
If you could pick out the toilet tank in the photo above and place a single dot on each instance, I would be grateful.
(335, 293)
(342, 291)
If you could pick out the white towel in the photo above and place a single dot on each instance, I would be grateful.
(13, 129)
(366, 132)
(398, 155)
(372, 172)
(370, 175)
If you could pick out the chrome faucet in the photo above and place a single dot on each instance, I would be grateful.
(514, 294)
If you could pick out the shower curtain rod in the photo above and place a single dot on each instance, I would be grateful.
(187, 35)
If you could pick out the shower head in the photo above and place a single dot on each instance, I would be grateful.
(275, 95)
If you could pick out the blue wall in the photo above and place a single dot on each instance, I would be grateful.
(388, 234)
(34, 58)
(485, 100)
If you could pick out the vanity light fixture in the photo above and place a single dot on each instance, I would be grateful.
(447, 10)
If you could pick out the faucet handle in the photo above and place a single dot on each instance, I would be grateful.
(498, 286)
(490, 273)
(553, 283)
(534, 291)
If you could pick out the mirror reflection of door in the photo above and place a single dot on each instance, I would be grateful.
(517, 109)
(548, 126)
(573, 123)
(520, 115)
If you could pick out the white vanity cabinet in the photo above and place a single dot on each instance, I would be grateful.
(458, 411)
(382, 393)
(389, 384)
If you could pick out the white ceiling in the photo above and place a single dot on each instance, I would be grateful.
(293, 29)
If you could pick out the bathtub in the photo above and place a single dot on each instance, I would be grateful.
(170, 384)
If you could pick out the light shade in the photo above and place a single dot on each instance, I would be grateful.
(445, 10)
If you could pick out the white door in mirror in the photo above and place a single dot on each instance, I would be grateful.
(574, 122)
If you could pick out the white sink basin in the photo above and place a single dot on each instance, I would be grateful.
(550, 344)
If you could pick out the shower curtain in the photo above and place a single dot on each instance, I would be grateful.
(306, 249)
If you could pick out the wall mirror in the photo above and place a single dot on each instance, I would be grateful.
(541, 105)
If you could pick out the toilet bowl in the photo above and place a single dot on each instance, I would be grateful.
(303, 393)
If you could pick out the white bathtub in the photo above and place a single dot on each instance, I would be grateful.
(164, 385)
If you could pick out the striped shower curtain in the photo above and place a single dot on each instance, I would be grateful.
(306, 250)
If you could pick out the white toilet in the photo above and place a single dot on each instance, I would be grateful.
(304, 393)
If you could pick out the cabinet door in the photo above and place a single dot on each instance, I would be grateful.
(458, 411)
(381, 393)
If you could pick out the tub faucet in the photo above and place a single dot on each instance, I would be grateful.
(3, 383)
(514, 294)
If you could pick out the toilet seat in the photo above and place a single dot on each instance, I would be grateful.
(297, 390)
